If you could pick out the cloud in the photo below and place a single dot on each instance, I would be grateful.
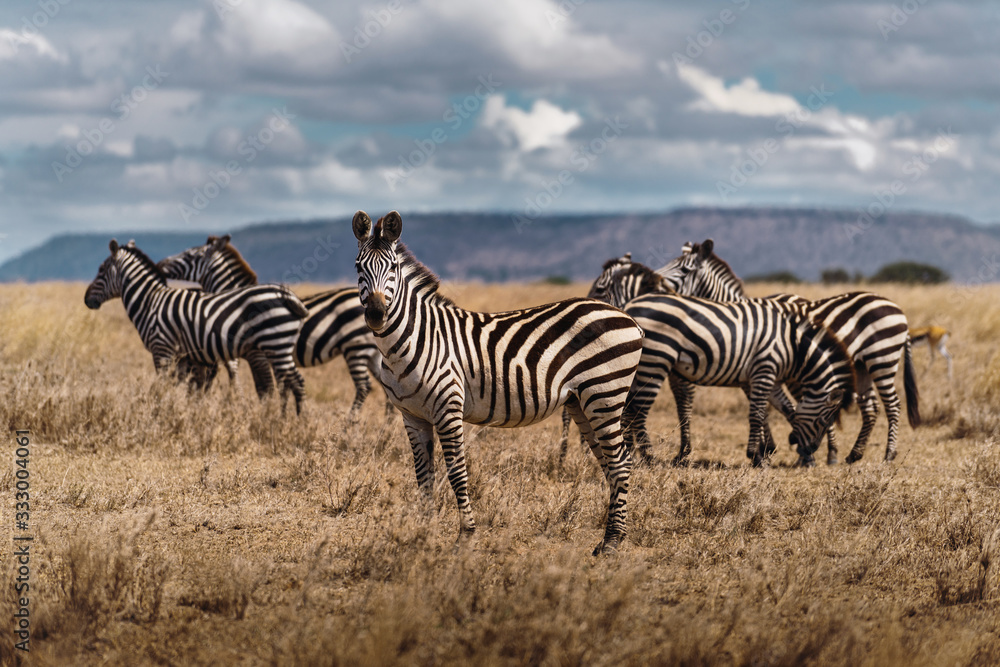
(544, 126)
(745, 98)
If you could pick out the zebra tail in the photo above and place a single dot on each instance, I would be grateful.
(294, 304)
(910, 385)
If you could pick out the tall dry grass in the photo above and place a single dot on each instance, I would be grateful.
(208, 529)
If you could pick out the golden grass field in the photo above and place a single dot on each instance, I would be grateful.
(175, 528)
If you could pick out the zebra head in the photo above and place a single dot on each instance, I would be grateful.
(827, 388)
(108, 283)
(377, 264)
(623, 280)
(610, 272)
(192, 263)
(683, 273)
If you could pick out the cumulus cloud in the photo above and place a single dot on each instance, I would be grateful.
(545, 125)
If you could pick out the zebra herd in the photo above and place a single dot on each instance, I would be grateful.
(602, 359)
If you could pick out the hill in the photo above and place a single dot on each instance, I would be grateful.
(494, 247)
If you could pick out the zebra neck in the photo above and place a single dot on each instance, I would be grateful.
(138, 288)
(413, 311)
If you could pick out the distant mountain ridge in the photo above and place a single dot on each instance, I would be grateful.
(491, 247)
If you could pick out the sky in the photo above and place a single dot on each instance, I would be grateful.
(212, 114)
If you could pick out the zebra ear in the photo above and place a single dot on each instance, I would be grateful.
(362, 225)
(113, 246)
(219, 242)
(627, 257)
(706, 248)
(392, 226)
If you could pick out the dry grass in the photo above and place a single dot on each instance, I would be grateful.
(182, 529)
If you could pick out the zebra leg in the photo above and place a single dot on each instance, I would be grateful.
(232, 368)
(285, 373)
(768, 446)
(831, 446)
(573, 411)
(761, 388)
(421, 436)
(452, 436)
(357, 366)
(601, 424)
(868, 406)
(374, 362)
(564, 438)
(260, 368)
(684, 398)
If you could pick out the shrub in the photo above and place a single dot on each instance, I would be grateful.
(910, 272)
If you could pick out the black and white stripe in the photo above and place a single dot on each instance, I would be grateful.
(755, 345)
(621, 280)
(335, 325)
(173, 323)
(443, 365)
(873, 328)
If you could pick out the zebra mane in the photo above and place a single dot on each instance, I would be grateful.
(721, 266)
(420, 275)
(230, 250)
(144, 260)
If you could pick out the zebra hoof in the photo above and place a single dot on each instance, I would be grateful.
(606, 548)
(890, 456)
(831, 460)
(852, 458)
(807, 462)
(680, 461)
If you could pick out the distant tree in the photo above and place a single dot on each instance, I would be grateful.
(858, 277)
(786, 277)
(836, 275)
(557, 280)
(910, 272)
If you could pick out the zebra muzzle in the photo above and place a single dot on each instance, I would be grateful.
(375, 311)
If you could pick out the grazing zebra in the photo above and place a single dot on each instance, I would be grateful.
(207, 328)
(935, 337)
(755, 345)
(620, 281)
(335, 324)
(443, 365)
(873, 329)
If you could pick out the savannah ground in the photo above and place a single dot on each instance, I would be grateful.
(186, 529)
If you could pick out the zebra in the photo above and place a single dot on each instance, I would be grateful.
(873, 329)
(620, 281)
(217, 266)
(443, 365)
(335, 324)
(755, 345)
(207, 328)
